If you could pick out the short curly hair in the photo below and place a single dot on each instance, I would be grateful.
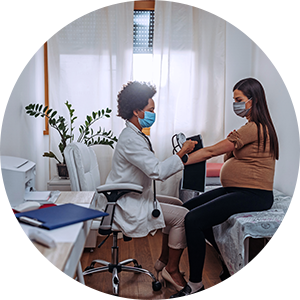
(134, 96)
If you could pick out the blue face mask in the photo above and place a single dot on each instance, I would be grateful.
(149, 119)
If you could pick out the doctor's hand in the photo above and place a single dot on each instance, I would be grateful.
(187, 147)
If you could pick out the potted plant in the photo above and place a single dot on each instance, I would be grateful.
(65, 130)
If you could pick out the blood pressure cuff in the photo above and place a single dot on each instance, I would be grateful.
(194, 175)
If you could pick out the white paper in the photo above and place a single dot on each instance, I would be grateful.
(37, 195)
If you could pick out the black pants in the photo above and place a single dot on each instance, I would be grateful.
(213, 208)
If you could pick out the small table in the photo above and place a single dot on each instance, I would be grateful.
(31, 271)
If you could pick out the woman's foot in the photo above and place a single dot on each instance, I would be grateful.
(175, 278)
(187, 290)
(158, 266)
(186, 294)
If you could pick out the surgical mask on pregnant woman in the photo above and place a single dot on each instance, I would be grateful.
(240, 108)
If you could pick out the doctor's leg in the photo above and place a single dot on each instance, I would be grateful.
(164, 256)
(173, 241)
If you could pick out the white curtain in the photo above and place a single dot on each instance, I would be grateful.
(189, 72)
(89, 61)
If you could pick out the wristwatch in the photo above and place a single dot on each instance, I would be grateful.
(184, 158)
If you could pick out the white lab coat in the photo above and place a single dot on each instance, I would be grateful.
(133, 162)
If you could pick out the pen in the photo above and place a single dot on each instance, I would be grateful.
(30, 221)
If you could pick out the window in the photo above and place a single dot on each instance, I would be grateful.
(143, 33)
(143, 29)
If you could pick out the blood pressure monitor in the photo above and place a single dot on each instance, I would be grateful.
(180, 140)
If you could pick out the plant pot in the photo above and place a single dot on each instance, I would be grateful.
(62, 171)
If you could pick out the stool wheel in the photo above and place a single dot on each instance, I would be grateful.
(74, 288)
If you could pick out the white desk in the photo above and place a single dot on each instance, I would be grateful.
(31, 271)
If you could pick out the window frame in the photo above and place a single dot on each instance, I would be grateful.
(46, 82)
(144, 5)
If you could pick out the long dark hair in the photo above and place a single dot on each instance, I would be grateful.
(252, 88)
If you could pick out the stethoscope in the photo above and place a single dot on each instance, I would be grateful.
(180, 139)
(156, 211)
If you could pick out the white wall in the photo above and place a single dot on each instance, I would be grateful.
(245, 59)
(22, 135)
(238, 66)
(276, 62)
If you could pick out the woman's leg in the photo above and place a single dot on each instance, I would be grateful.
(202, 199)
(174, 218)
(200, 220)
(164, 256)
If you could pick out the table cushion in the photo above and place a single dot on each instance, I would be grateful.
(213, 169)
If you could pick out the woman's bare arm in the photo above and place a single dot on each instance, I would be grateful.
(211, 151)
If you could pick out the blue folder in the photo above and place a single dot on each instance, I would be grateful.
(58, 216)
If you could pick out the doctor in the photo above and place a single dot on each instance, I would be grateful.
(134, 162)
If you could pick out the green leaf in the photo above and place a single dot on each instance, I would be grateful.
(53, 114)
(87, 134)
(49, 154)
(61, 126)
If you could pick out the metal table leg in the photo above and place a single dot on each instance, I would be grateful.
(81, 283)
